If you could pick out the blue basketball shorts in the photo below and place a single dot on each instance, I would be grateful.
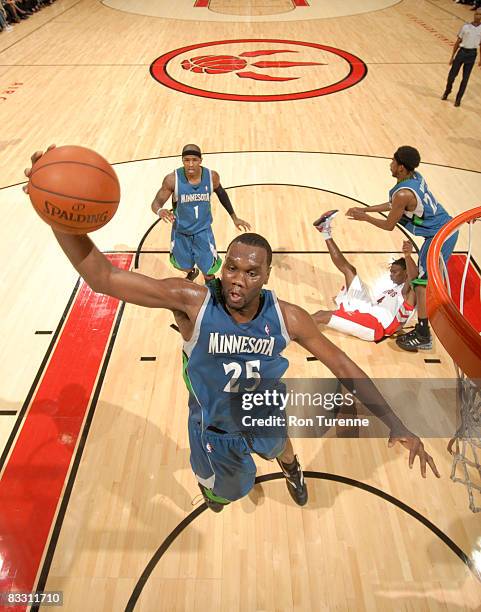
(446, 251)
(187, 251)
(223, 462)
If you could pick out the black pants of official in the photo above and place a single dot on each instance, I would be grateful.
(465, 58)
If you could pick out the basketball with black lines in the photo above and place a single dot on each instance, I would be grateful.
(74, 189)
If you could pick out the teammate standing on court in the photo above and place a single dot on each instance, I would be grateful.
(464, 54)
(192, 239)
(358, 313)
(413, 206)
(234, 330)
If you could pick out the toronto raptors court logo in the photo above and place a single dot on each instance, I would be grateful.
(258, 70)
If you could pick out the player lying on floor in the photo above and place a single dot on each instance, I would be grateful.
(358, 313)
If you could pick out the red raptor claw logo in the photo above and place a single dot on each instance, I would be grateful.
(222, 64)
(270, 75)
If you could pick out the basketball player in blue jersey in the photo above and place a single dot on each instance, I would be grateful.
(234, 330)
(192, 239)
(413, 206)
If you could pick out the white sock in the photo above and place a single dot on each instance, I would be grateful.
(326, 231)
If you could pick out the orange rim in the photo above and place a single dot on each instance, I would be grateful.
(456, 334)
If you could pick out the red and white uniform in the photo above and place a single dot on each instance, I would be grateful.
(368, 318)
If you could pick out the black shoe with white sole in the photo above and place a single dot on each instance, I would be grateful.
(295, 480)
(414, 341)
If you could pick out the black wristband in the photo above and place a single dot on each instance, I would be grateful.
(224, 199)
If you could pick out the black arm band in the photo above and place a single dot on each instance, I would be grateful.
(224, 199)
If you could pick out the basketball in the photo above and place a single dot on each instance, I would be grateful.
(74, 189)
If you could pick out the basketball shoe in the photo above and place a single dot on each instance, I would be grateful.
(212, 501)
(295, 480)
(323, 224)
(414, 341)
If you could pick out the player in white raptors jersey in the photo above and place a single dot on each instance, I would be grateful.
(358, 313)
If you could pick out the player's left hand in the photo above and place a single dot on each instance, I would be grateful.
(241, 224)
(416, 449)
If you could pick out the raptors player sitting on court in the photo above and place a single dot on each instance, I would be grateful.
(358, 313)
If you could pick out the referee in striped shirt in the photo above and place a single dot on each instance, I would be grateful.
(464, 54)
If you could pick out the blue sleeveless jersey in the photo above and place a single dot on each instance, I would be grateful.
(429, 216)
(224, 358)
(192, 202)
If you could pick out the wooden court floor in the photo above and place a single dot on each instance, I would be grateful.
(94, 452)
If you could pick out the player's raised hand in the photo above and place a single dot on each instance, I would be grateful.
(416, 449)
(407, 248)
(166, 215)
(241, 224)
(34, 158)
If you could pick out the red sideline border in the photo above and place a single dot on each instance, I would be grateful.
(33, 481)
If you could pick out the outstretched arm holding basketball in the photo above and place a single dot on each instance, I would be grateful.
(178, 295)
(303, 330)
(92, 265)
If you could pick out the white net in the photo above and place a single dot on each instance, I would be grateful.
(466, 445)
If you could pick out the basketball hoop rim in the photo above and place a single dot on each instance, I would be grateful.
(456, 334)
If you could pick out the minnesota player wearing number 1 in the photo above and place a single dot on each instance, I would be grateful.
(234, 330)
(413, 206)
(192, 240)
